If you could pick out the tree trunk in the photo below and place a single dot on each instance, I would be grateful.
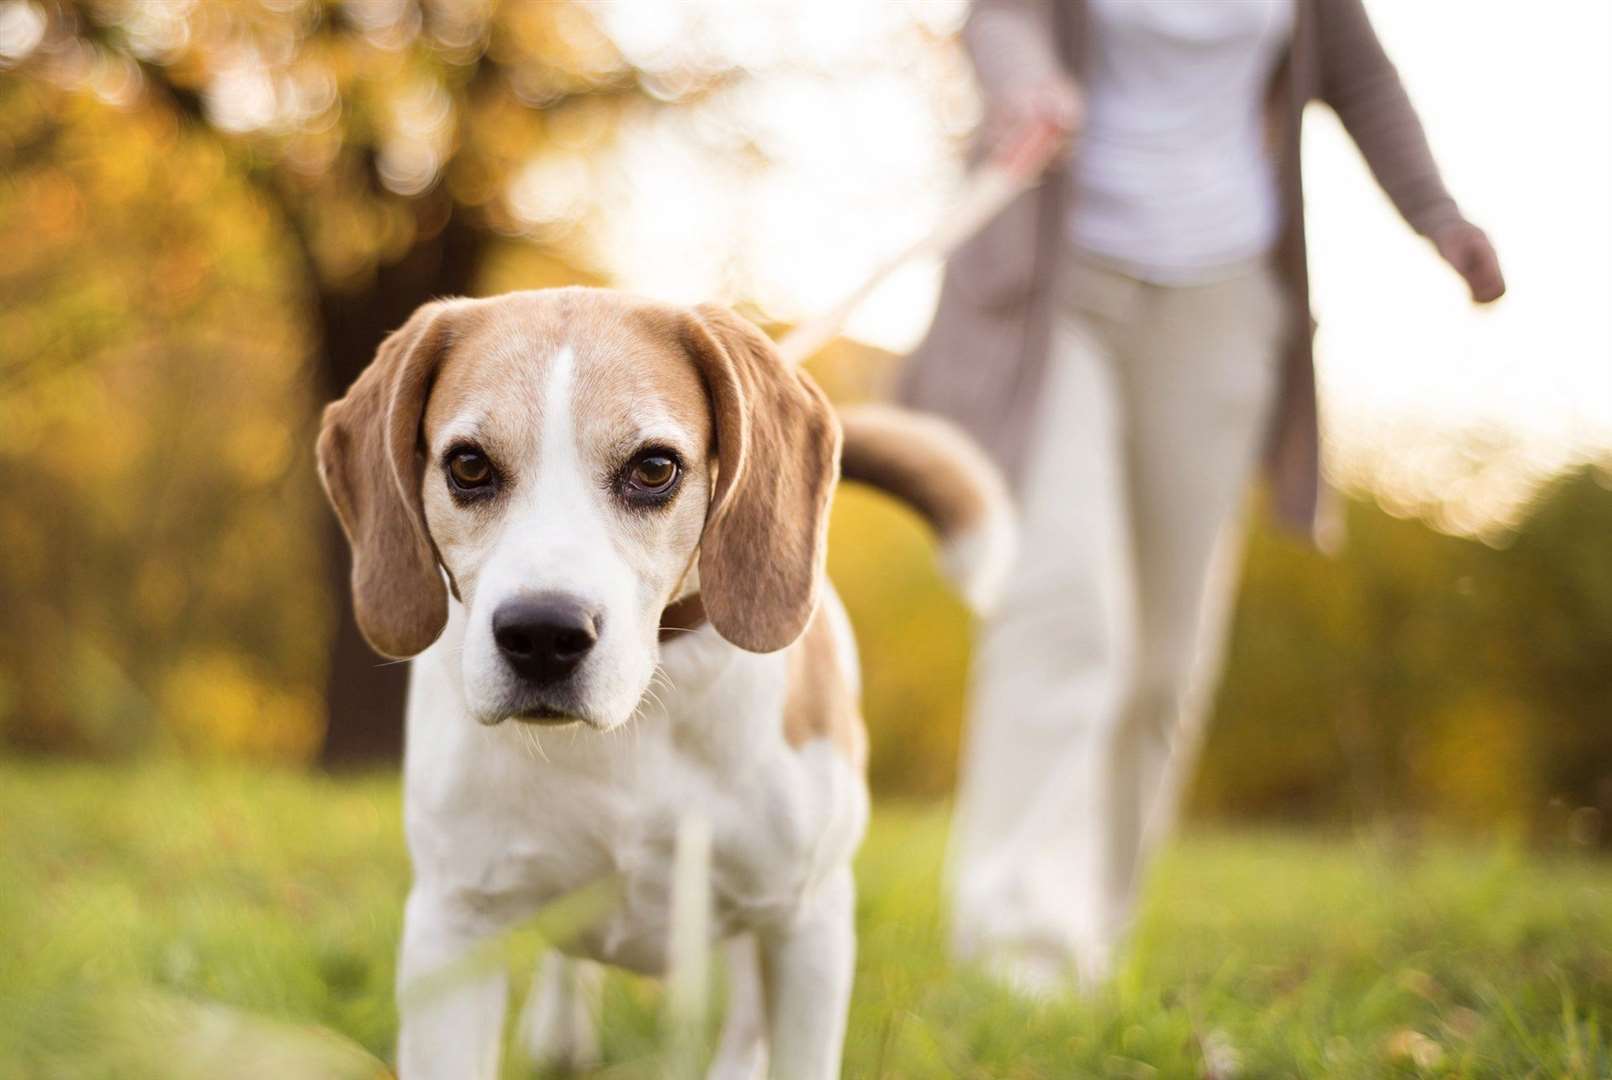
(364, 692)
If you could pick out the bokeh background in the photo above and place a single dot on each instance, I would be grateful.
(213, 212)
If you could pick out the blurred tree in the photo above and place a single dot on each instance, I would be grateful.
(1427, 674)
(393, 141)
(149, 362)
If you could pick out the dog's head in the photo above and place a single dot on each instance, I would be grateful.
(567, 463)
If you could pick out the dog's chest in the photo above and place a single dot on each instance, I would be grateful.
(520, 821)
(776, 831)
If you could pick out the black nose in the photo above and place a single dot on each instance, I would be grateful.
(544, 637)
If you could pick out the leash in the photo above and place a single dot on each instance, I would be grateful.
(985, 193)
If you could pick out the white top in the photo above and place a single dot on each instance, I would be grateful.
(1171, 175)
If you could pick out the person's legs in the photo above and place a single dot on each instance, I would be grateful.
(1051, 674)
(1199, 376)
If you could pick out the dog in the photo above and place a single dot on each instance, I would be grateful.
(597, 525)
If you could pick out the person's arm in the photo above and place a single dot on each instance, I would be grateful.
(1016, 61)
(1011, 43)
(1362, 86)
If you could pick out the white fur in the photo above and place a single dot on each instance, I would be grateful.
(977, 559)
(977, 562)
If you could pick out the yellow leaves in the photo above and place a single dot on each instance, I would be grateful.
(21, 424)
(158, 594)
(1471, 765)
(178, 275)
(151, 408)
(55, 205)
(351, 235)
(213, 702)
(72, 419)
(258, 450)
(27, 549)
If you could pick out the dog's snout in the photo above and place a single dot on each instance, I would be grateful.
(544, 637)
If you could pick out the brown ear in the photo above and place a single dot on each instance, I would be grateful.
(778, 456)
(370, 463)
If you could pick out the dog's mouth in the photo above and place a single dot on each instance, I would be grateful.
(549, 716)
(549, 707)
(548, 710)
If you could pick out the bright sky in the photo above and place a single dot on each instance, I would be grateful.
(857, 108)
(1517, 100)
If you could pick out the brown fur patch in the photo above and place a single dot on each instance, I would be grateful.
(370, 467)
(821, 704)
(778, 446)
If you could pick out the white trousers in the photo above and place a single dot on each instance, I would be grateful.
(1091, 682)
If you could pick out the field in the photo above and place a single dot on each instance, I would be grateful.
(172, 920)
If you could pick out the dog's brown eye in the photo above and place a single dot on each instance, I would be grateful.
(653, 474)
(469, 470)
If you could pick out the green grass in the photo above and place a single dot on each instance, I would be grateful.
(127, 897)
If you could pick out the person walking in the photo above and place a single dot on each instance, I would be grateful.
(1128, 340)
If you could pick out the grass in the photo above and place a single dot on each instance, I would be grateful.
(173, 914)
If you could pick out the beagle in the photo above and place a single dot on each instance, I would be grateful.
(597, 525)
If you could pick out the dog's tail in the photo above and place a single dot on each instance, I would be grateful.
(940, 472)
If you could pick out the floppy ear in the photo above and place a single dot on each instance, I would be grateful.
(370, 463)
(778, 456)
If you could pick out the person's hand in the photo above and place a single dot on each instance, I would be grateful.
(1466, 248)
(1044, 113)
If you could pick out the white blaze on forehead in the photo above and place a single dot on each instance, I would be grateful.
(559, 434)
(553, 523)
(563, 533)
(559, 513)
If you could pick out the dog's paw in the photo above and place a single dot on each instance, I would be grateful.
(558, 1026)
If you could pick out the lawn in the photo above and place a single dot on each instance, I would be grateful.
(156, 918)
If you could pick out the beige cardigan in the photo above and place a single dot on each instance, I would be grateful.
(982, 361)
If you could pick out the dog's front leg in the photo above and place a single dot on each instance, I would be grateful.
(808, 968)
(741, 1052)
(450, 1006)
(560, 1023)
